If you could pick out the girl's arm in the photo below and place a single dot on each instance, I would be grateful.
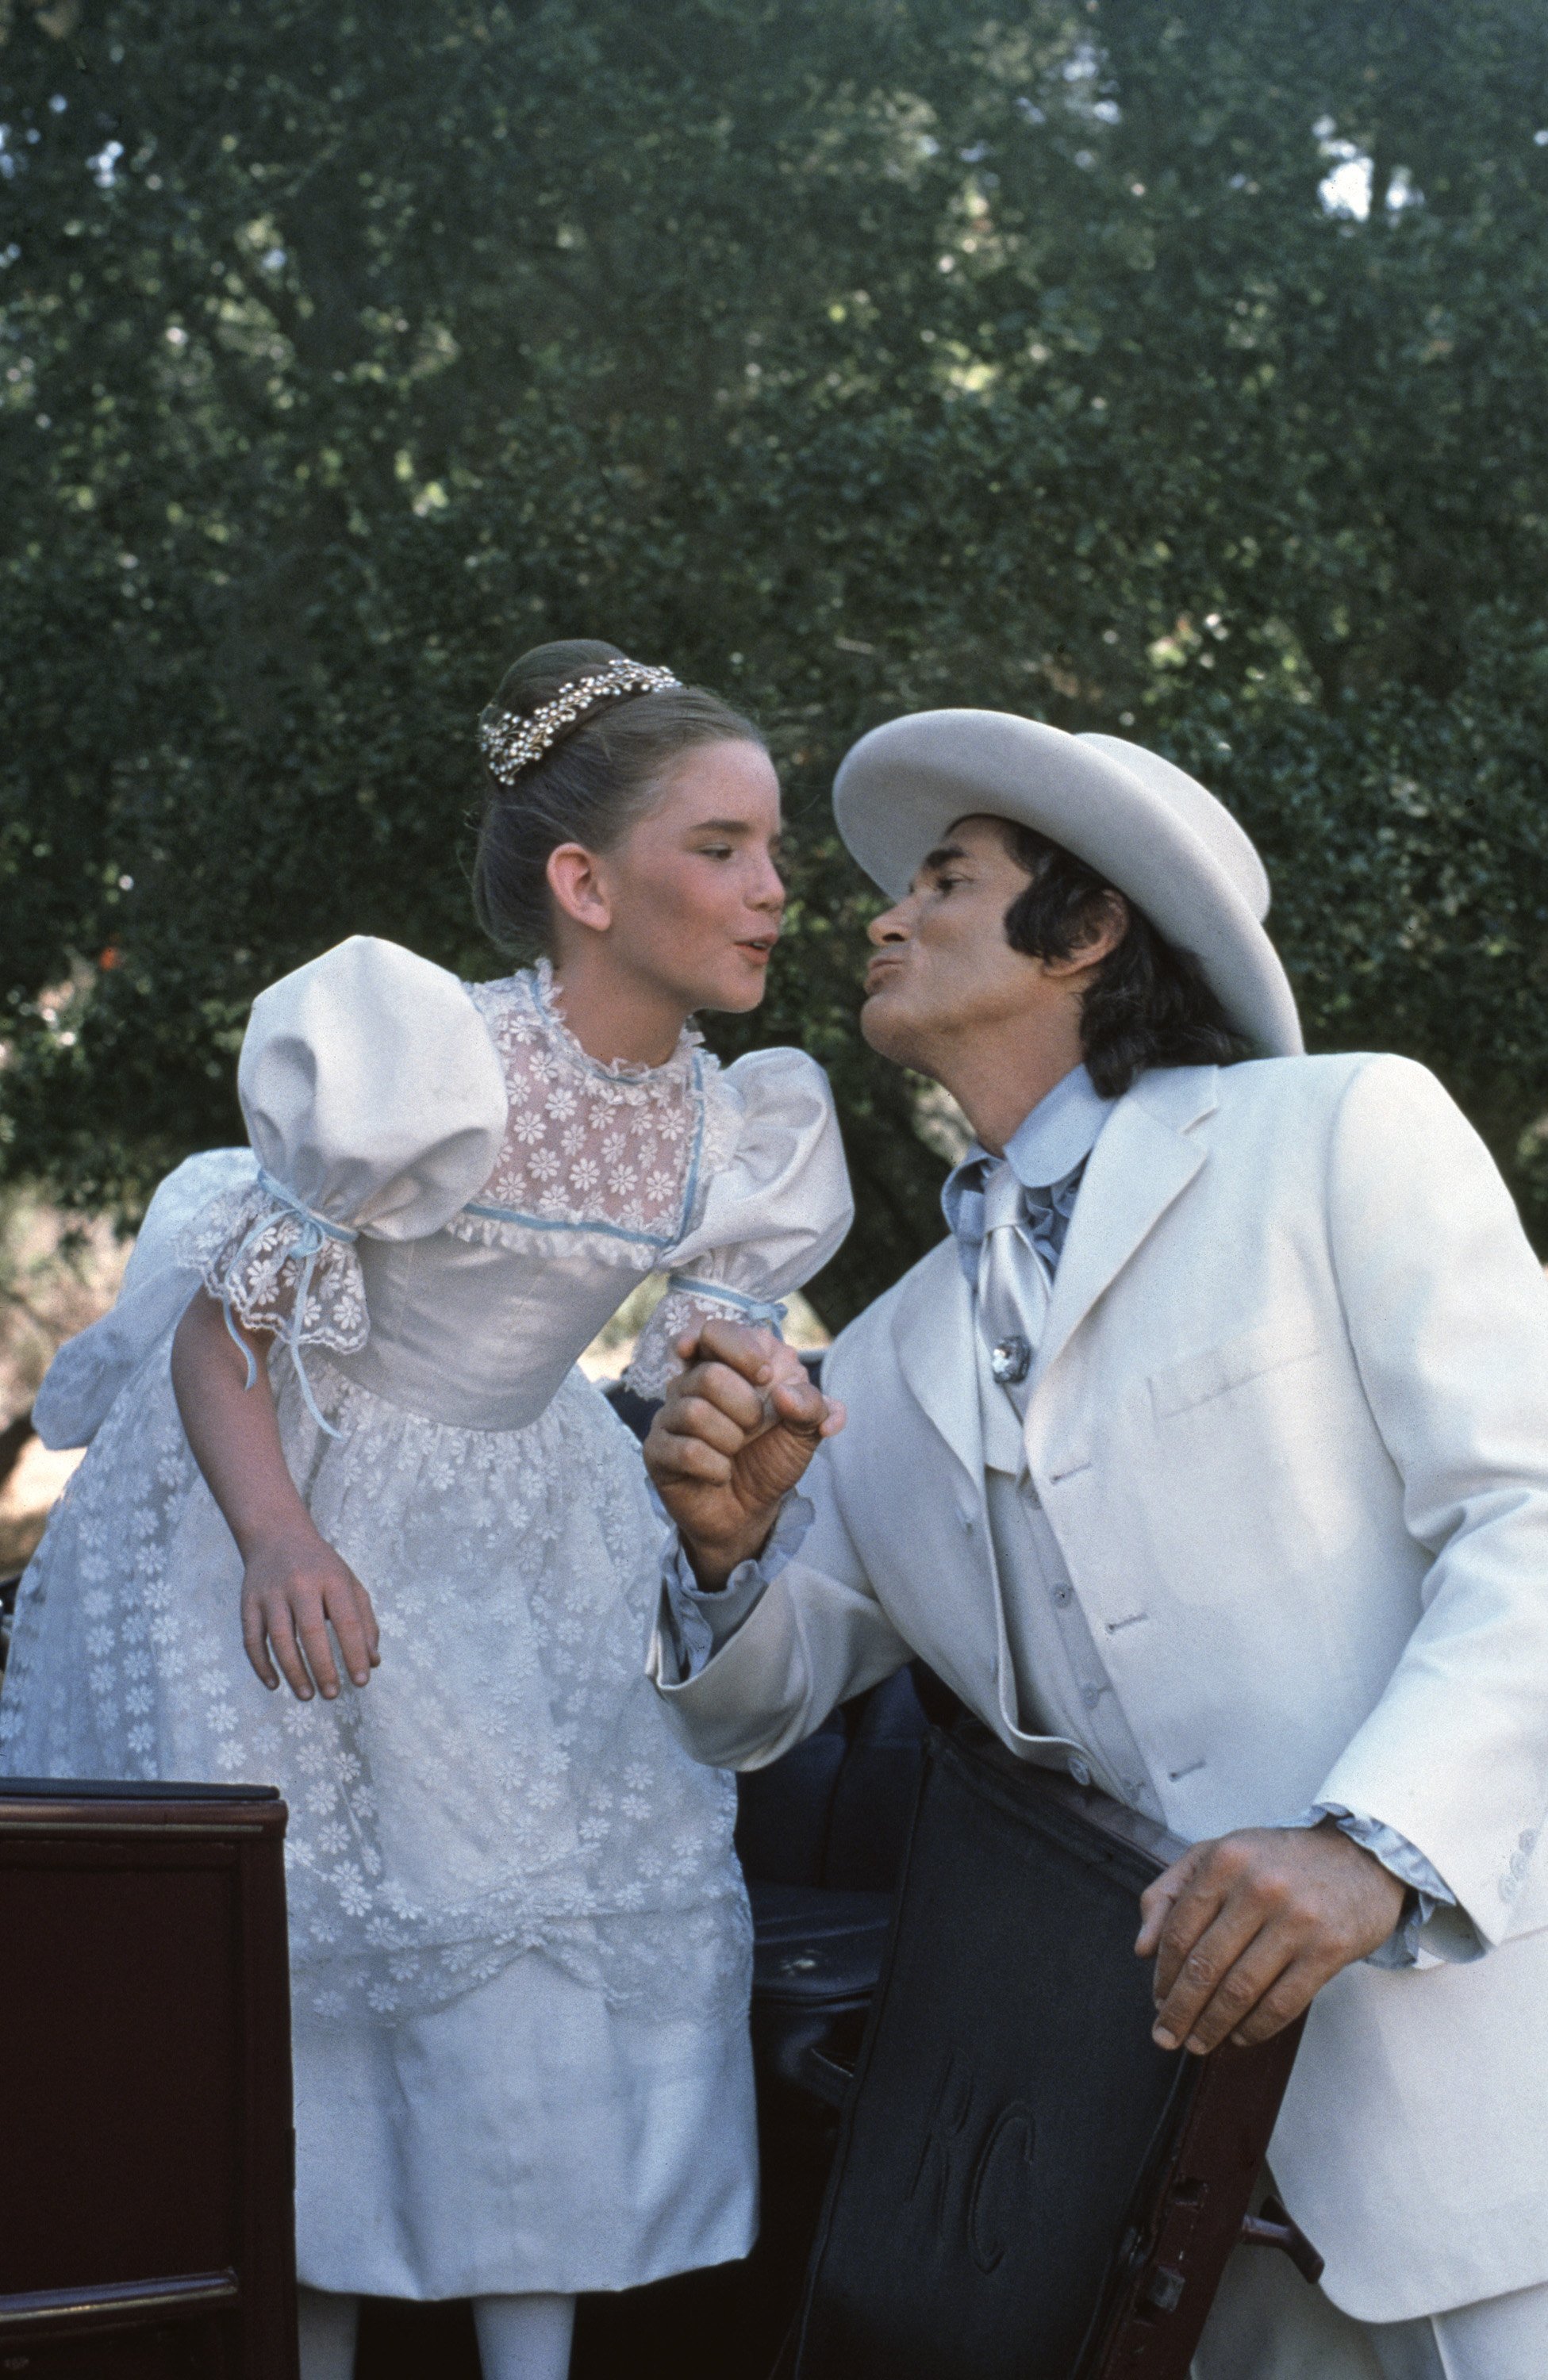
(294, 1587)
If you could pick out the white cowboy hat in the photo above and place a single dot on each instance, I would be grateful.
(1144, 825)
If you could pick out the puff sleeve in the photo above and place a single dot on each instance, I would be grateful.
(374, 1101)
(776, 1207)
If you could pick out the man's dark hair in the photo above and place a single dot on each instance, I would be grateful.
(1147, 1003)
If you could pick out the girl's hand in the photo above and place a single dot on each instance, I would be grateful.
(295, 1590)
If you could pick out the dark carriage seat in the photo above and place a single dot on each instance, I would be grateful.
(821, 1835)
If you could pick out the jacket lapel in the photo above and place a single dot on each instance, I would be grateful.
(1143, 1159)
(932, 1332)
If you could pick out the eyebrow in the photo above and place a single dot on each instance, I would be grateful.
(720, 826)
(940, 857)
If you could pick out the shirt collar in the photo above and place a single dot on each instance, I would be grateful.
(1046, 1146)
(1060, 1133)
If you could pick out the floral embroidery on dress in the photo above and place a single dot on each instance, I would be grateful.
(505, 1785)
(618, 1147)
(244, 1248)
(623, 1150)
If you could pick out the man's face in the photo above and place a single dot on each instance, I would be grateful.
(943, 968)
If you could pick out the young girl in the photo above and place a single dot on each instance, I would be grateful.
(361, 1450)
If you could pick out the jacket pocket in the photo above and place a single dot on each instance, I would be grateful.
(1288, 1338)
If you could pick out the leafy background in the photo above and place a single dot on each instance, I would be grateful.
(1141, 364)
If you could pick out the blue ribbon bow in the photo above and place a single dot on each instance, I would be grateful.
(756, 1309)
(316, 1230)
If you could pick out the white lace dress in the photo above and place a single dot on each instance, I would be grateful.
(520, 1940)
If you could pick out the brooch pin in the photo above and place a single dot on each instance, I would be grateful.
(1011, 1361)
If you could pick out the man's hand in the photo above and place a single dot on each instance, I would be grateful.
(1245, 1931)
(736, 1432)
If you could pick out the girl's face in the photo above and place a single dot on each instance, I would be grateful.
(689, 903)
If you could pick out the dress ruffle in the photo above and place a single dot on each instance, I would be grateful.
(250, 1249)
(655, 1362)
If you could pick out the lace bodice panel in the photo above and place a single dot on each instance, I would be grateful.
(600, 1170)
(621, 1148)
(451, 1197)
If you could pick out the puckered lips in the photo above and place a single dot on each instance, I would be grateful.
(885, 964)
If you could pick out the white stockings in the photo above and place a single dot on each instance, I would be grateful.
(523, 2337)
(519, 2337)
(328, 2323)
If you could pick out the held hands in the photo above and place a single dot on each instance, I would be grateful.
(736, 1432)
(295, 1589)
(1246, 1930)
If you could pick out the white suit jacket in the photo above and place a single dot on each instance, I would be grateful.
(1291, 1407)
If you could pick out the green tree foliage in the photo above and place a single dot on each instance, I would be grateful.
(1143, 364)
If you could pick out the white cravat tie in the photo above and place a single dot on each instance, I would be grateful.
(1014, 1284)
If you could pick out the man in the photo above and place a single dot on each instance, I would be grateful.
(1207, 1457)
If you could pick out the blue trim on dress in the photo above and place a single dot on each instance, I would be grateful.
(307, 1247)
(558, 1223)
(653, 1240)
(759, 1309)
(693, 1191)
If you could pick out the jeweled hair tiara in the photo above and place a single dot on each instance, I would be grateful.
(512, 742)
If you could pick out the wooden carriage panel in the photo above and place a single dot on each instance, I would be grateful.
(146, 2150)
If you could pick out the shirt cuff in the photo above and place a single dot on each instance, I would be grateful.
(697, 1620)
(1427, 1890)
